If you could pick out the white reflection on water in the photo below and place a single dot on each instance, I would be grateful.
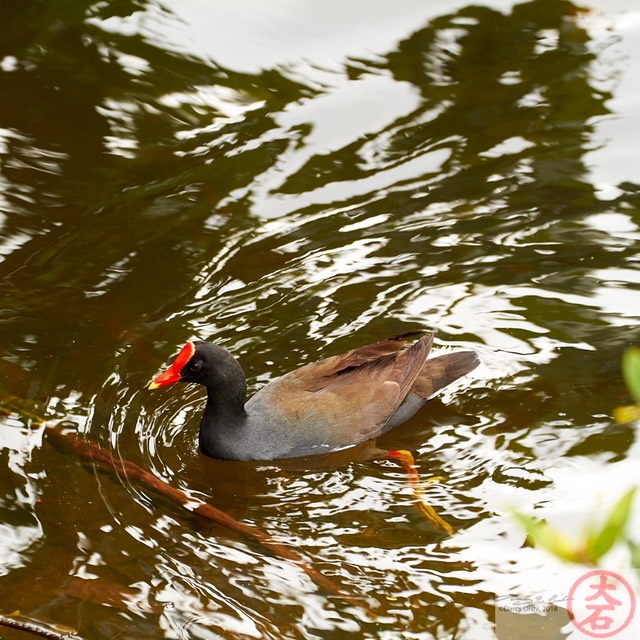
(614, 158)
(14, 544)
(260, 35)
(18, 443)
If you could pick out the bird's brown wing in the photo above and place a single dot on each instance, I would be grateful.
(348, 398)
(364, 359)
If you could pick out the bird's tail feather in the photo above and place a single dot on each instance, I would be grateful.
(441, 371)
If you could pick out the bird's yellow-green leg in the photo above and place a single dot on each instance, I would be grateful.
(417, 486)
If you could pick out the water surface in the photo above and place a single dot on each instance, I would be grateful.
(293, 181)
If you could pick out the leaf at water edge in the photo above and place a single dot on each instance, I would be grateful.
(545, 536)
(635, 553)
(631, 371)
(613, 529)
(629, 413)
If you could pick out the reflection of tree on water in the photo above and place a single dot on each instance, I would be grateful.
(509, 96)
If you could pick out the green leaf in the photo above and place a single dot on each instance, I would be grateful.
(631, 371)
(635, 553)
(545, 536)
(613, 528)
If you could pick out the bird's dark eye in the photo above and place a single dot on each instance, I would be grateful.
(195, 367)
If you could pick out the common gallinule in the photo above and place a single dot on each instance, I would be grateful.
(328, 405)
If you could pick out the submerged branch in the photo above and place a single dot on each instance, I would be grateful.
(36, 629)
(99, 456)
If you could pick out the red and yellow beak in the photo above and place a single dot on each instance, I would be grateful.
(172, 374)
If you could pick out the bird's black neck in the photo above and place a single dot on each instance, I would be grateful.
(223, 420)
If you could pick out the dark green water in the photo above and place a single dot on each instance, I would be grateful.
(294, 180)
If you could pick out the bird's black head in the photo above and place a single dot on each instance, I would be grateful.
(207, 364)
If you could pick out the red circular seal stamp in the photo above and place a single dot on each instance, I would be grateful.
(601, 603)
